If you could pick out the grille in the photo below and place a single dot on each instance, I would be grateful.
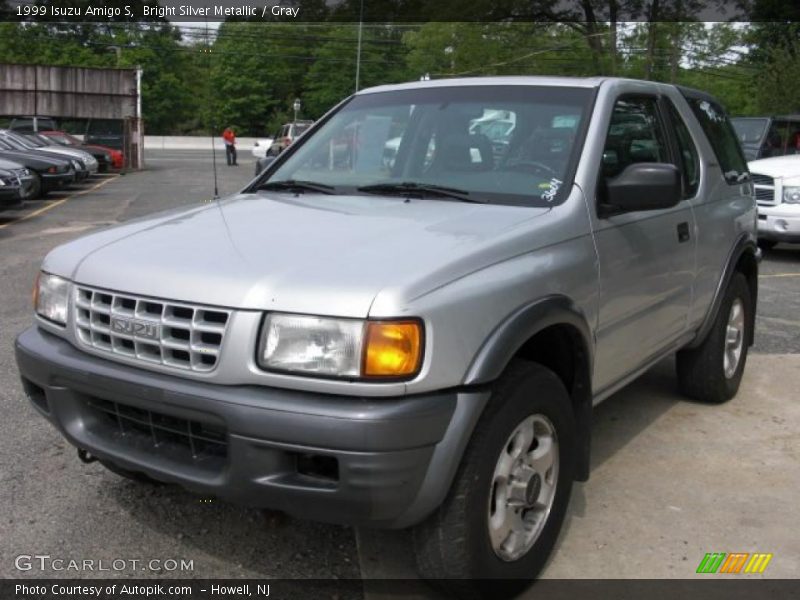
(759, 179)
(179, 439)
(764, 187)
(151, 331)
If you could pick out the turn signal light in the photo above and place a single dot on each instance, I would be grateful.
(392, 349)
(35, 291)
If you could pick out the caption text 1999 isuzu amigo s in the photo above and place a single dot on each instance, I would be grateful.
(413, 340)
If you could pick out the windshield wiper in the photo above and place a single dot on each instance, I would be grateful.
(411, 187)
(296, 185)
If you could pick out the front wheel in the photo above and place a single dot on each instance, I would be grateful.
(37, 190)
(505, 508)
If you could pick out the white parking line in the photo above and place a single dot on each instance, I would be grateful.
(60, 201)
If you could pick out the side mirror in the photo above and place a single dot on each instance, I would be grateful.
(641, 186)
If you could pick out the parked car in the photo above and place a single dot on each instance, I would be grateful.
(107, 158)
(260, 147)
(777, 189)
(89, 162)
(420, 346)
(24, 144)
(287, 134)
(17, 183)
(49, 172)
(29, 124)
(105, 132)
(765, 137)
(65, 139)
(10, 190)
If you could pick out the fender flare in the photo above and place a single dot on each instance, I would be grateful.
(744, 243)
(515, 330)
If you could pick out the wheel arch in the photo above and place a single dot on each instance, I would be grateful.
(553, 332)
(743, 258)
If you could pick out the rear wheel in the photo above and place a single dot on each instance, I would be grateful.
(503, 513)
(713, 371)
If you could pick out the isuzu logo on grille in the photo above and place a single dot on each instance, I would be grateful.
(141, 329)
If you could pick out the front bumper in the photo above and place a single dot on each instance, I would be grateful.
(394, 457)
(10, 196)
(54, 181)
(779, 224)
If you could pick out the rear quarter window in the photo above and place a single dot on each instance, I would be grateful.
(722, 137)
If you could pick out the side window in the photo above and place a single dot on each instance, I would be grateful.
(722, 138)
(635, 135)
(690, 161)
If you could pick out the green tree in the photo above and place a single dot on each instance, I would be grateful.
(332, 76)
(167, 103)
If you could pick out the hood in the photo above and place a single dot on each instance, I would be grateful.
(778, 166)
(312, 253)
(10, 165)
(66, 152)
(34, 160)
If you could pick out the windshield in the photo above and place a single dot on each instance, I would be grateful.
(301, 128)
(750, 131)
(449, 137)
(43, 140)
(13, 141)
(35, 140)
(17, 141)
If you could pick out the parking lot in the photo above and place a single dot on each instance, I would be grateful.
(671, 479)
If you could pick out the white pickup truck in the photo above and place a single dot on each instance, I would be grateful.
(777, 188)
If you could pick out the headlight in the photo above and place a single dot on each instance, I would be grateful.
(50, 297)
(350, 348)
(76, 165)
(791, 195)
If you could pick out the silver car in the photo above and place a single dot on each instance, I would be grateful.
(84, 163)
(416, 343)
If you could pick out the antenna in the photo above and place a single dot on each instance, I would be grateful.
(210, 118)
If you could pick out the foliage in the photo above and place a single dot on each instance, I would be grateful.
(248, 74)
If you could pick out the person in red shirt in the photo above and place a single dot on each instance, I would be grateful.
(230, 146)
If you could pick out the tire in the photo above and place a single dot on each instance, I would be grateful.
(701, 371)
(136, 476)
(36, 188)
(767, 244)
(454, 543)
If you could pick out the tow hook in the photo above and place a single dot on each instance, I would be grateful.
(85, 457)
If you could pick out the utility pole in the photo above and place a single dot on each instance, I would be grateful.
(358, 51)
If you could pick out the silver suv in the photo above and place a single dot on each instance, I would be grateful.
(417, 343)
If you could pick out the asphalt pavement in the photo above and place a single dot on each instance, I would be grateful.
(671, 479)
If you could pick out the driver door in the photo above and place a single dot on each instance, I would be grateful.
(646, 258)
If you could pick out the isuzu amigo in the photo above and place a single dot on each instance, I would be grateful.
(415, 342)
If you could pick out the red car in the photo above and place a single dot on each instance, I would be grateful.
(65, 139)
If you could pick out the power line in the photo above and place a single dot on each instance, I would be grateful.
(307, 58)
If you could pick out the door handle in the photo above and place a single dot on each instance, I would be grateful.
(683, 232)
